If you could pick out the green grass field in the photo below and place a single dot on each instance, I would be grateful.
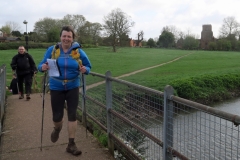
(127, 60)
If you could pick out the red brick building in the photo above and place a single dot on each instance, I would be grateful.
(133, 43)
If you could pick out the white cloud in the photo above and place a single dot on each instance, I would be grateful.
(150, 16)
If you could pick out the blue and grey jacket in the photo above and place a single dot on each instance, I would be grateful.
(69, 68)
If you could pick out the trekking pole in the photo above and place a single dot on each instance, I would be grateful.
(84, 101)
(43, 97)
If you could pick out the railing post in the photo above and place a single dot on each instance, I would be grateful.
(168, 122)
(109, 106)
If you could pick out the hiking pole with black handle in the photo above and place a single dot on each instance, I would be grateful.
(84, 100)
(43, 98)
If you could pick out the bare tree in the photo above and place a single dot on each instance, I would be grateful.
(229, 26)
(116, 24)
(10, 26)
(13, 26)
(139, 37)
(76, 21)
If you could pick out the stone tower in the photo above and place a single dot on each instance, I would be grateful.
(206, 36)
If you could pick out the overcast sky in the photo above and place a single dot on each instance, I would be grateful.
(149, 15)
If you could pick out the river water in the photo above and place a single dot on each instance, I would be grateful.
(230, 106)
(228, 148)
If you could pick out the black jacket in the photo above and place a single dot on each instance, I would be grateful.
(23, 64)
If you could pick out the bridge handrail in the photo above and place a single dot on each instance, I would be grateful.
(2, 93)
(119, 107)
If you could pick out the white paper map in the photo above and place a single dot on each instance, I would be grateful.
(53, 69)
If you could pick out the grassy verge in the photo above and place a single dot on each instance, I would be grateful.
(207, 89)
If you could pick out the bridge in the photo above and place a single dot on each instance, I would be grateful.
(139, 122)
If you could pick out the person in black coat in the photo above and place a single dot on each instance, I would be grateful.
(13, 85)
(24, 65)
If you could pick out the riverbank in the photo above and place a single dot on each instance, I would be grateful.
(208, 89)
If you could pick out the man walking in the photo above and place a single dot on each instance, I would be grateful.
(25, 67)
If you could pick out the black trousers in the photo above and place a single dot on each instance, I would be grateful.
(58, 99)
(27, 80)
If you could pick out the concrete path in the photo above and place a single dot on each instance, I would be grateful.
(21, 137)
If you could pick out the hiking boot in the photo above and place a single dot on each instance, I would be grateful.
(72, 148)
(21, 96)
(28, 97)
(55, 134)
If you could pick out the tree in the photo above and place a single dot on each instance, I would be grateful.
(75, 20)
(43, 26)
(12, 26)
(6, 29)
(90, 33)
(116, 24)
(173, 29)
(166, 39)
(233, 40)
(53, 35)
(212, 46)
(16, 33)
(224, 45)
(190, 42)
(34, 37)
(230, 26)
(151, 43)
(124, 40)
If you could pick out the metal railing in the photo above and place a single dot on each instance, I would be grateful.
(2, 93)
(143, 123)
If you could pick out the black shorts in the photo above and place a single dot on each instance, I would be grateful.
(58, 99)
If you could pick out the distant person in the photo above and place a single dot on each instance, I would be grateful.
(71, 60)
(13, 85)
(24, 65)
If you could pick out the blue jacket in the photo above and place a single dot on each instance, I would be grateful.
(68, 67)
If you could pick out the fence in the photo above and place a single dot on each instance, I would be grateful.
(143, 123)
(2, 93)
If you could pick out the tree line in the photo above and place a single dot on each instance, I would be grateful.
(228, 38)
(115, 30)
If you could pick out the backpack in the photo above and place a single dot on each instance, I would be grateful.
(74, 54)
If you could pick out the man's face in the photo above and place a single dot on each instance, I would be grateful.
(21, 50)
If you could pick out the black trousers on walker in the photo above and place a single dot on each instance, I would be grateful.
(27, 80)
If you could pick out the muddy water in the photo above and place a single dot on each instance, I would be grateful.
(230, 106)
